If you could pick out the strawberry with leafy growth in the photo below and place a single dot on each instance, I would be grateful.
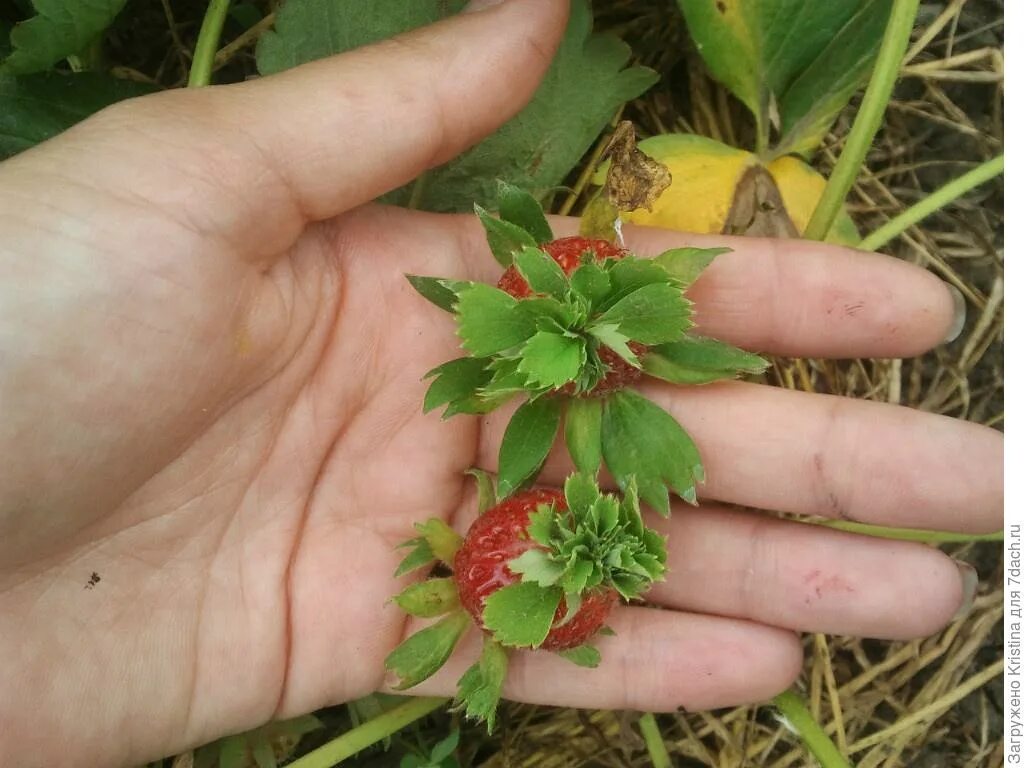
(541, 569)
(570, 325)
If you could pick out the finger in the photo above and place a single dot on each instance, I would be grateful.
(657, 661)
(808, 578)
(823, 455)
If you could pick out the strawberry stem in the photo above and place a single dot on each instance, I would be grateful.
(799, 719)
(369, 733)
(655, 744)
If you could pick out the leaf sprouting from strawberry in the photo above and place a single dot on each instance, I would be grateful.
(573, 321)
(540, 570)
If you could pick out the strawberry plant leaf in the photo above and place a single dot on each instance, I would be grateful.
(521, 208)
(697, 360)
(551, 359)
(583, 434)
(442, 540)
(581, 490)
(60, 29)
(438, 291)
(542, 272)
(425, 652)
(429, 598)
(490, 320)
(486, 493)
(504, 238)
(618, 342)
(526, 444)
(520, 615)
(653, 314)
(34, 108)
(642, 441)
(582, 656)
(445, 747)
(591, 282)
(686, 264)
(480, 687)
(456, 384)
(537, 566)
(417, 558)
(628, 275)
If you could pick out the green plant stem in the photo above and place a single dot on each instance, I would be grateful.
(942, 196)
(792, 707)
(206, 46)
(869, 118)
(909, 534)
(369, 733)
(655, 744)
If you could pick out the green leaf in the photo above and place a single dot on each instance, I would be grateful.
(697, 360)
(490, 320)
(438, 291)
(526, 444)
(429, 598)
(582, 656)
(537, 566)
(591, 282)
(480, 687)
(551, 359)
(521, 208)
(610, 336)
(802, 59)
(520, 615)
(505, 238)
(36, 107)
(653, 314)
(234, 752)
(686, 264)
(456, 385)
(583, 433)
(60, 29)
(581, 492)
(442, 540)
(425, 652)
(486, 493)
(642, 441)
(417, 558)
(445, 747)
(542, 272)
(629, 274)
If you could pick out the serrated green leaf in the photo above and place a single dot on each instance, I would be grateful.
(642, 441)
(456, 385)
(504, 238)
(537, 566)
(444, 747)
(551, 359)
(583, 433)
(490, 320)
(429, 598)
(582, 656)
(521, 208)
(520, 615)
(686, 264)
(425, 652)
(652, 314)
(60, 29)
(480, 687)
(581, 490)
(542, 272)
(627, 275)
(34, 108)
(437, 290)
(526, 444)
(577, 576)
(591, 282)
(419, 557)
(697, 360)
(610, 336)
(542, 524)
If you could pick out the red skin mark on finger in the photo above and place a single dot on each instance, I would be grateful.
(822, 586)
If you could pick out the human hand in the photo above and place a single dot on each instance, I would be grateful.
(210, 399)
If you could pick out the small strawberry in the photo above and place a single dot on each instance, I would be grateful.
(570, 326)
(541, 569)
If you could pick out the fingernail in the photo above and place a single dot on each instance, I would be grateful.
(481, 5)
(969, 585)
(959, 314)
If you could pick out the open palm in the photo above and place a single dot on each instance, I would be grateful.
(210, 417)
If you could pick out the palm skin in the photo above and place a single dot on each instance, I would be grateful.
(211, 399)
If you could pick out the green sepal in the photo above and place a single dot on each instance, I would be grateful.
(591, 282)
(438, 291)
(582, 656)
(686, 264)
(629, 274)
(480, 687)
(521, 208)
(425, 652)
(490, 321)
(420, 556)
(542, 272)
(615, 340)
(642, 441)
(520, 615)
(651, 314)
(442, 540)
(537, 566)
(697, 360)
(456, 384)
(505, 238)
(606, 631)
(526, 444)
(583, 433)
(486, 493)
(550, 360)
(429, 598)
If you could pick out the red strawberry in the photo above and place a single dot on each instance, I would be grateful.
(499, 536)
(568, 252)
